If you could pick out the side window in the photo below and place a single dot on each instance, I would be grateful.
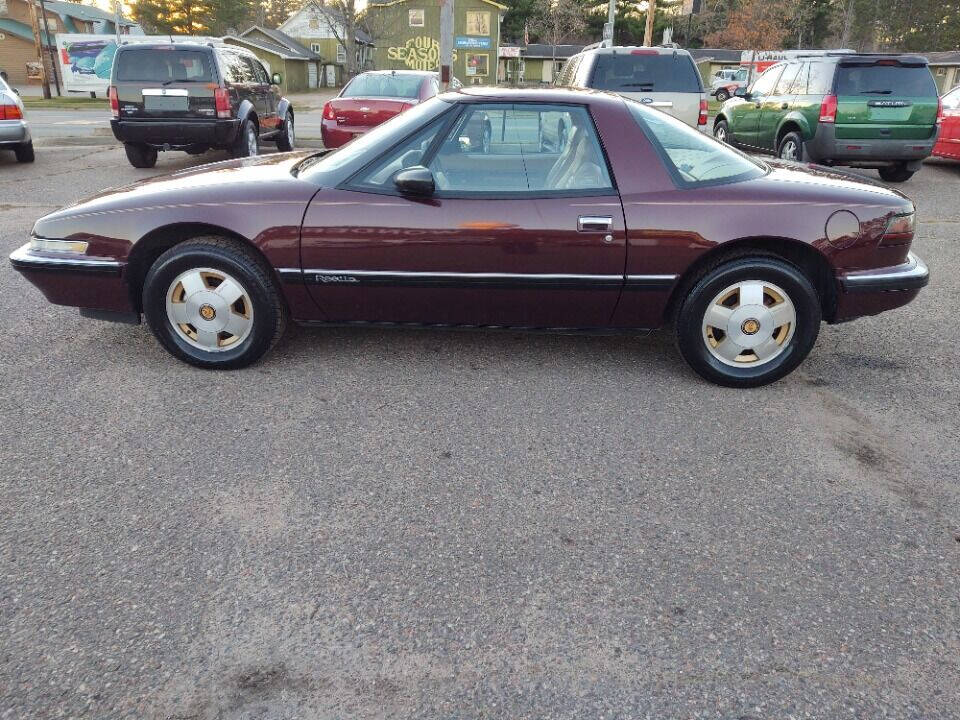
(235, 70)
(379, 176)
(521, 148)
(262, 77)
(764, 84)
(249, 70)
(799, 86)
(951, 101)
(785, 83)
(820, 81)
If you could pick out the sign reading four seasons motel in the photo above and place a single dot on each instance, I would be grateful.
(407, 35)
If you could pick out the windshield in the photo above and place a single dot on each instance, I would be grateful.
(693, 158)
(160, 66)
(885, 80)
(645, 73)
(396, 128)
(383, 85)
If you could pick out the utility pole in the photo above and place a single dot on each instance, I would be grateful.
(608, 28)
(651, 11)
(446, 43)
(53, 50)
(35, 22)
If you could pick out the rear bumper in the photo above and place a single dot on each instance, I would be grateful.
(877, 152)
(335, 135)
(176, 133)
(868, 292)
(14, 132)
(74, 279)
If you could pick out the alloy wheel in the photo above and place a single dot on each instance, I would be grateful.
(290, 131)
(209, 309)
(252, 145)
(721, 134)
(788, 150)
(749, 323)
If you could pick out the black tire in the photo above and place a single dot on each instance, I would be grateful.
(690, 334)
(287, 137)
(140, 156)
(236, 260)
(24, 152)
(242, 146)
(895, 173)
(791, 140)
(723, 95)
(721, 131)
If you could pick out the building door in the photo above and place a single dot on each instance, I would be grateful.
(312, 75)
(547, 71)
(331, 76)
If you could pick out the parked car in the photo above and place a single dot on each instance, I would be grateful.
(406, 225)
(725, 82)
(193, 97)
(869, 111)
(948, 142)
(372, 98)
(14, 129)
(661, 77)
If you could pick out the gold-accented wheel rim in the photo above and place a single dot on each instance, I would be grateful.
(209, 309)
(749, 323)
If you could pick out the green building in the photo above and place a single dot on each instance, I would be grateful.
(407, 37)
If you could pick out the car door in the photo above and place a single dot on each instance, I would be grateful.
(271, 94)
(745, 116)
(260, 93)
(948, 144)
(516, 233)
(775, 107)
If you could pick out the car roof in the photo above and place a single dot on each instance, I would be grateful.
(182, 46)
(559, 95)
(629, 49)
(421, 73)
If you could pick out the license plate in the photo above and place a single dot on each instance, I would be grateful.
(165, 103)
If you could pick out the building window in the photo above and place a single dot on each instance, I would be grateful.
(941, 71)
(315, 47)
(341, 54)
(52, 23)
(478, 23)
(416, 18)
(314, 23)
(478, 64)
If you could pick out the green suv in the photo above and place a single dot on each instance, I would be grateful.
(871, 111)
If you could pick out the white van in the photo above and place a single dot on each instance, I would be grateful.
(661, 77)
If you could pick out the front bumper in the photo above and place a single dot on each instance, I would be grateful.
(826, 147)
(176, 133)
(75, 279)
(14, 132)
(868, 292)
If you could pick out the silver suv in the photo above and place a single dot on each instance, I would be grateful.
(664, 78)
(14, 130)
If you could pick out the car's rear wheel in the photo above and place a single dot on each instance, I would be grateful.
(24, 152)
(748, 322)
(287, 137)
(721, 131)
(895, 173)
(790, 147)
(723, 95)
(140, 155)
(247, 143)
(214, 303)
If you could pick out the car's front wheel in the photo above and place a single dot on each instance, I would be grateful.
(723, 95)
(214, 303)
(748, 322)
(895, 173)
(721, 131)
(140, 156)
(287, 137)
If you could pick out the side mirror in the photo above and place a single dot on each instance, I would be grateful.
(277, 79)
(741, 92)
(416, 180)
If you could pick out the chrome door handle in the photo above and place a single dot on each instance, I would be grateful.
(595, 223)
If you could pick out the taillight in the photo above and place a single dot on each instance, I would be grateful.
(899, 230)
(221, 98)
(114, 102)
(328, 113)
(644, 52)
(939, 111)
(828, 109)
(10, 112)
(702, 120)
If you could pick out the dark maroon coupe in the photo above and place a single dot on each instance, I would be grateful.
(537, 209)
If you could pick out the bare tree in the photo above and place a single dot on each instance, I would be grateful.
(343, 20)
(554, 21)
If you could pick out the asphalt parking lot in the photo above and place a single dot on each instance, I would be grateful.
(375, 523)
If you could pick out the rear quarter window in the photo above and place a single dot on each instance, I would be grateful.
(154, 65)
(629, 72)
(885, 80)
